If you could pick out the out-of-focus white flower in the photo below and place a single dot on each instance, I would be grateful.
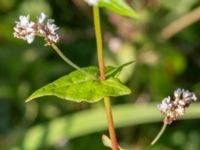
(174, 107)
(94, 2)
(27, 30)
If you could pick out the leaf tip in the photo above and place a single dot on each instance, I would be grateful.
(129, 91)
(135, 16)
(31, 97)
(28, 99)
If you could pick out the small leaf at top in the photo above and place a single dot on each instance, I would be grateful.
(79, 86)
(114, 71)
(107, 142)
(119, 7)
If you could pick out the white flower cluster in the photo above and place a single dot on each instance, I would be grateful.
(27, 30)
(174, 107)
(94, 2)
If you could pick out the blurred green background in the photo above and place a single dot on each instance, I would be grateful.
(165, 48)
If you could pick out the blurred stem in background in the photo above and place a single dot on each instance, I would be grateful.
(181, 23)
(97, 25)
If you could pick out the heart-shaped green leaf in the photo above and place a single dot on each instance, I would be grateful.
(119, 7)
(81, 85)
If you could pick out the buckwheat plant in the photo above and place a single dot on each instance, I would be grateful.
(89, 84)
(173, 107)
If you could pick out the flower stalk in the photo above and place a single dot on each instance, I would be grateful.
(107, 104)
(159, 134)
(173, 107)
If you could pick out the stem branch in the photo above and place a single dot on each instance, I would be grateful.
(67, 60)
(102, 73)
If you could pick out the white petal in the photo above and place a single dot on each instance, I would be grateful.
(178, 93)
(180, 111)
(188, 95)
(194, 97)
(181, 102)
(24, 20)
(162, 107)
(16, 29)
(50, 21)
(30, 38)
(166, 100)
(42, 32)
(53, 38)
(15, 35)
(51, 26)
(31, 24)
(42, 17)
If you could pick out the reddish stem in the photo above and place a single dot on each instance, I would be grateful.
(102, 73)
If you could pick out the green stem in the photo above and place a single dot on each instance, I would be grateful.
(99, 42)
(67, 60)
(159, 134)
(102, 73)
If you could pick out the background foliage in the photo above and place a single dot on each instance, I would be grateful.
(163, 62)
